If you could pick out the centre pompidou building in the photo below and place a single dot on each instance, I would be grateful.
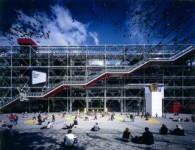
(110, 77)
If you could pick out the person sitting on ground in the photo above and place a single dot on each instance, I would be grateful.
(86, 118)
(163, 130)
(48, 126)
(65, 126)
(9, 126)
(44, 118)
(147, 137)
(75, 122)
(112, 117)
(186, 120)
(70, 139)
(147, 116)
(126, 135)
(178, 130)
(95, 127)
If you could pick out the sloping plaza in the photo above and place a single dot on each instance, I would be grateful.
(30, 136)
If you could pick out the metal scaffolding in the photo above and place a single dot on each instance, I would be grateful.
(95, 77)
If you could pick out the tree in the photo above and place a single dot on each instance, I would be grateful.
(31, 28)
(159, 22)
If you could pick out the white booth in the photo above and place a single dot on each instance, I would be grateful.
(154, 95)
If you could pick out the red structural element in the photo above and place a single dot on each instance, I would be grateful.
(55, 91)
(174, 108)
(26, 41)
(99, 78)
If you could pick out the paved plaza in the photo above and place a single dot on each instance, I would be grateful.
(30, 137)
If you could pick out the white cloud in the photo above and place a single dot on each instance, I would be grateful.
(94, 35)
(64, 30)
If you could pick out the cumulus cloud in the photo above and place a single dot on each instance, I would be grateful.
(63, 29)
(94, 35)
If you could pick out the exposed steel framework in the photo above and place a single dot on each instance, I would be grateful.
(95, 77)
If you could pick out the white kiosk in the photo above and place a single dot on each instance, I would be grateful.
(154, 95)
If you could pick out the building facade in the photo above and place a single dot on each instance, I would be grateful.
(113, 77)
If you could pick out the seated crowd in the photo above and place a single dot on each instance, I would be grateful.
(70, 139)
(146, 138)
(177, 131)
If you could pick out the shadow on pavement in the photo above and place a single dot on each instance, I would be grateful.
(36, 141)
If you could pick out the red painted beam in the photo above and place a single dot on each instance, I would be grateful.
(26, 41)
(55, 91)
(99, 78)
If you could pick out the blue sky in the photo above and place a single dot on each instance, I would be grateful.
(97, 22)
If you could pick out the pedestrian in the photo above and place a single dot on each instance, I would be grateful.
(11, 119)
(95, 116)
(112, 116)
(193, 118)
(132, 117)
(53, 118)
(39, 119)
(15, 120)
